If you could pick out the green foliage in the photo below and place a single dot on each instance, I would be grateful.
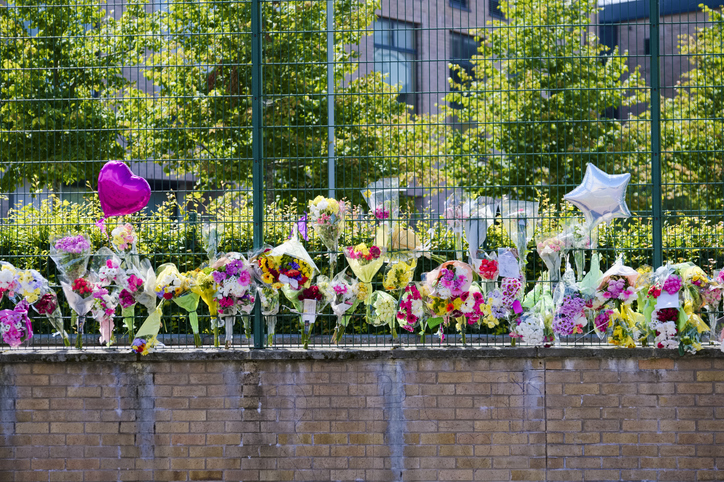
(534, 107)
(60, 87)
(200, 120)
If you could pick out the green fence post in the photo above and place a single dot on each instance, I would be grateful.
(655, 132)
(257, 152)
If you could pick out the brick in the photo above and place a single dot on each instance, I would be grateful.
(657, 364)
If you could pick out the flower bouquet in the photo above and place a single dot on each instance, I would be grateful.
(170, 285)
(34, 289)
(138, 284)
(79, 294)
(327, 218)
(411, 308)
(308, 303)
(365, 262)
(486, 266)
(234, 279)
(124, 241)
(345, 299)
(383, 198)
(578, 238)
(550, 248)
(399, 274)
(202, 284)
(446, 285)
(269, 298)
(710, 293)
(612, 306)
(106, 268)
(529, 328)
(539, 307)
(381, 310)
(519, 220)
(289, 263)
(145, 346)
(15, 325)
(570, 304)
(8, 280)
(70, 254)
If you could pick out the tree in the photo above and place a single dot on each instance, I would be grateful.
(200, 120)
(60, 89)
(533, 106)
(692, 127)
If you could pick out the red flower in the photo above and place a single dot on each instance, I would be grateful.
(375, 252)
(167, 296)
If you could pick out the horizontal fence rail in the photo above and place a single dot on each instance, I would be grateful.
(239, 114)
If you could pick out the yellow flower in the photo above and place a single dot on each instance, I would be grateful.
(333, 205)
(457, 303)
(267, 278)
(317, 200)
(277, 286)
(361, 291)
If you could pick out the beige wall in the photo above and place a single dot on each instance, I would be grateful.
(452, 415)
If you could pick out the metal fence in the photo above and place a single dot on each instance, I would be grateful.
(238, 113)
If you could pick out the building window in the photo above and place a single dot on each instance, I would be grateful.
(463, 47)
(461, 4)
(494, 9)
(647, 46)
(395, 56)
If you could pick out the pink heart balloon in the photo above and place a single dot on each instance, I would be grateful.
(121, 192)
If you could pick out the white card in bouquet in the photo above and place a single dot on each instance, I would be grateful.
(665, 300)
(508, 265)
(310, 311)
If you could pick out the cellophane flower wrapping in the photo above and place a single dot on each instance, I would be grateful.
(530, 330)
(519, 220)
(327, 218)
(70, 254)
(383, 310)
(550, 247)
(365, 262)
(269, 299)
(383, 199)
(9, 283)
(401, 243)
(578, 238)
(481, 216)
(233, 278)
(171, 285)
(35, 289)
(202, 284)
(309, 302)
(570, 316)
(446, 286)
(411, 310)
(538, 303)
(79, 295)
(106, 268)
(15, 325)
(346, 297)
(486, 266)
(398, 274)
(612, 306)
(289, 263)
(124, 241)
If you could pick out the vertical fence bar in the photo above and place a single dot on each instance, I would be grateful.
(331, 163)
(257, 151)
(655, 132)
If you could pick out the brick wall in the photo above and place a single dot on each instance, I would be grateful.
(450, 414)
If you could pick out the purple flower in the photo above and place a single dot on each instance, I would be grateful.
(244, 278)
(218, 276)
(73, 244)
(126, 299)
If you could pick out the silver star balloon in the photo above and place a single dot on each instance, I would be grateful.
(601, 196)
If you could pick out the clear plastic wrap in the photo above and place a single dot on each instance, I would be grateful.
(365, 262)
(382, 310)
(327, 218)
(309, 303)
(71, 254)
(15, 325)
(519, 220)
(344, 301)
(550, 247)
(269, 298)
(569, 317)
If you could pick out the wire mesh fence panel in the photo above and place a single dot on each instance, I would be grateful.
(352, 147)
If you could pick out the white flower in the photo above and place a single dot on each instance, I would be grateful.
(385, 308)
(417, 308)
(6, 278)
(443, 292)
(323, 205)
